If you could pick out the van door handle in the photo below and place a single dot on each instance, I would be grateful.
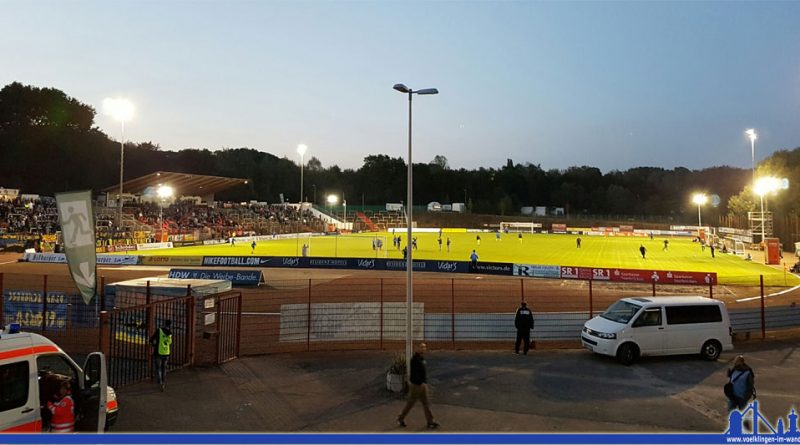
(27, 410)
(661, 328)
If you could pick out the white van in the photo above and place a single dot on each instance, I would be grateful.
(633, 327)
(29, 364)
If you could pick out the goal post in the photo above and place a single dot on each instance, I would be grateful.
(527, 227)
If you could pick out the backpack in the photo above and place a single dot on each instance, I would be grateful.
(728, 388)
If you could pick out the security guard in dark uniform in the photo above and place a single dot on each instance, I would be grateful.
(523, 321)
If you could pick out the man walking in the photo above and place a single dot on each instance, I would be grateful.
(418, 388)
(712, 251)
(253, 247)
(161, 342)
(440, 244)
(578, 242)
(448, 244)
(642, 250)
(666, 245)
(523, 321)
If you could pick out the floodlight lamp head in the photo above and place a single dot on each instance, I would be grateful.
(751, 133)
(401, 88)
(427, 91)
(333, 199)
(767, 184)
(120, 109)
(700, 199)
(165, 192)
(301, 149)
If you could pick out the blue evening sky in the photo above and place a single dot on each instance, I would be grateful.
(608, 84)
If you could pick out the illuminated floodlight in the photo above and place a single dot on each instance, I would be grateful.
(165, 192)
(700, 199)
(119, 108)
(769, 184)
(301, 149)
(751, 133)
(333, 199)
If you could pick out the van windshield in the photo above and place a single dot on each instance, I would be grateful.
(621, 312)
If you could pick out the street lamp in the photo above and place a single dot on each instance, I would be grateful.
(700, 199)
(122, 110)
(751, 133)
(301, 149)
(409, 263)
(164, 192)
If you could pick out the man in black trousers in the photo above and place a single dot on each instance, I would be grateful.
(523, 321)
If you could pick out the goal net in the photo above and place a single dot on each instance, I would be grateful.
(527, 227)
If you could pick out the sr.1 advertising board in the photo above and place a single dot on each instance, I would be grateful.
(638, 275)
(537, 270)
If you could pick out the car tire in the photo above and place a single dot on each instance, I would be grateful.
(627, 353)
(711, 350)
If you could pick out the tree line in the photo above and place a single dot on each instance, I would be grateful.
(50, 143)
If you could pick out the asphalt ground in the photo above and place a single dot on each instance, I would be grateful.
(472, 391)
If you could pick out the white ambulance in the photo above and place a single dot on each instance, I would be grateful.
(29, 363)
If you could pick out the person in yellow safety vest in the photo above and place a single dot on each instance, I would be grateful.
(161, 342)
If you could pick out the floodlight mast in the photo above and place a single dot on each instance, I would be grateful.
(409, 220)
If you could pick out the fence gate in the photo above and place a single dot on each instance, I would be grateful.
(229, 323)
(129, 352)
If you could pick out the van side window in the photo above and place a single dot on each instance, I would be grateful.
(709, 313)
(649, 317)
(16, 381)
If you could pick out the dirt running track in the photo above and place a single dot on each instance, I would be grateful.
(441, 294)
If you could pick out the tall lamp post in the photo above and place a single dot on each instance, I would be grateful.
(409, 200)
(700, 199)
(122, 110)
(301, 149)
(164, 192)
(751, 133)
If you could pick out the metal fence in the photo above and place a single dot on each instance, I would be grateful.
(347, 313)
(129, 330)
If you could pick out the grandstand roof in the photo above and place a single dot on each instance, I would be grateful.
(184, 184)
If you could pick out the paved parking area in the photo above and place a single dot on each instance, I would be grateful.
(489, 391)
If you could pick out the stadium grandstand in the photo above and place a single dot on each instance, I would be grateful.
(190, 215)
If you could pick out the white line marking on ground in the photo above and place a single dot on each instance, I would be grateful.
(9, 262)
(741, 300)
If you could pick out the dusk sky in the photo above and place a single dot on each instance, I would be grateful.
(607, 84)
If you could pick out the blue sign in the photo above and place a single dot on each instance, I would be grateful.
(25, 307)
(236, 277)
(355, 263)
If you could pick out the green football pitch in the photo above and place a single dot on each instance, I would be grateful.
(547, 249)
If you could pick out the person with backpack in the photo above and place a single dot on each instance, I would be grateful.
(161, 342)
(741, 385)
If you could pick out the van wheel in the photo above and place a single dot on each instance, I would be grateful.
(627, 353)
(711, 350)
